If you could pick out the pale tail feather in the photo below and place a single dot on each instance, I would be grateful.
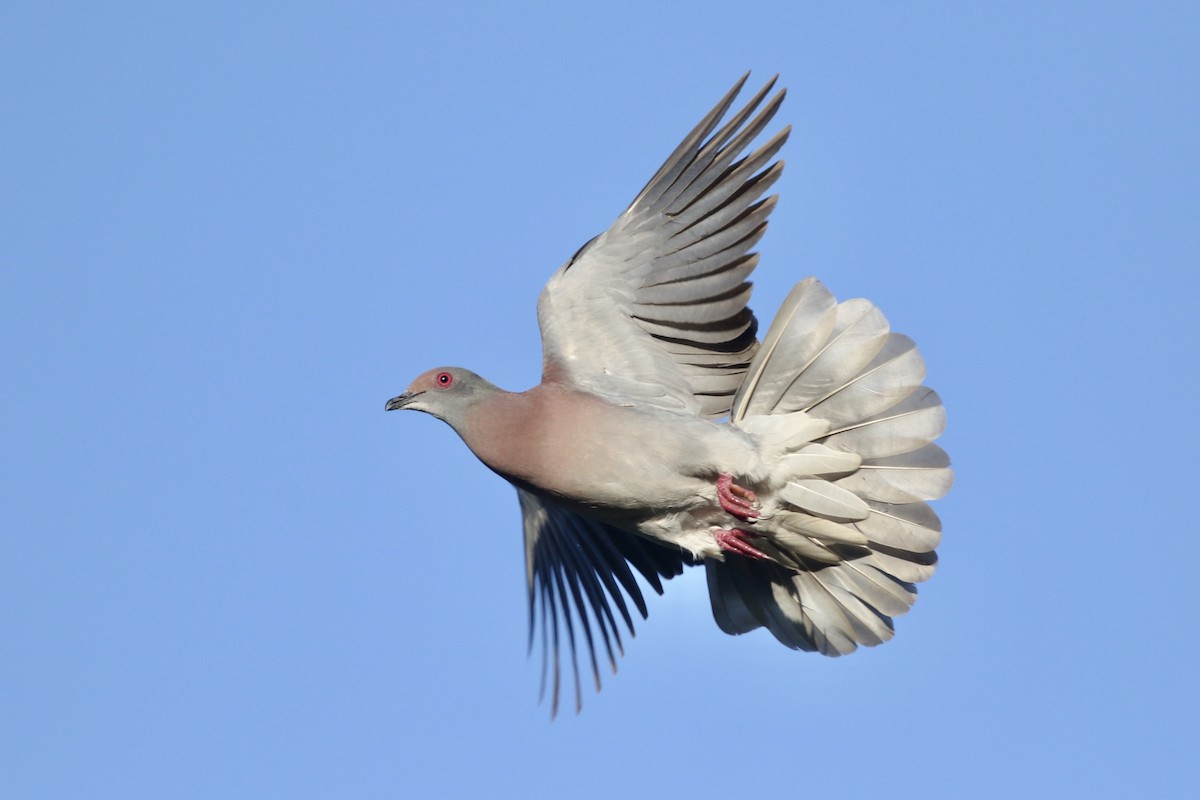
(840, 396)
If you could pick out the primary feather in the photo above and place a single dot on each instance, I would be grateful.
(655, 307)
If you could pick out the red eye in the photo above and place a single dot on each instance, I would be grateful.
(444, 379)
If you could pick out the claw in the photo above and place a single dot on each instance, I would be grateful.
(734, 541)
(736, 500)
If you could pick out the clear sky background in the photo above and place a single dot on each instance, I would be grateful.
(230, 232)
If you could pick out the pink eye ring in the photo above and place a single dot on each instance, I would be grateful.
(444, 380)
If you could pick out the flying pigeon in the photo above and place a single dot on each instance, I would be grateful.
(663, 434)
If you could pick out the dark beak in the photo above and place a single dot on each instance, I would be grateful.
(400, 401)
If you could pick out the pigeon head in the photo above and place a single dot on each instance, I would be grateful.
(445, 392)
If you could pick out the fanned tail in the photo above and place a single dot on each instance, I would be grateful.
(837, 399)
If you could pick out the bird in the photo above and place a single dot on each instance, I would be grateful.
(796, 470)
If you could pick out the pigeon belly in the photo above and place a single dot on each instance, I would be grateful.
(642, 469)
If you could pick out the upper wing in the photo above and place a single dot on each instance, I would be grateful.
(654, 309)
(576, 569)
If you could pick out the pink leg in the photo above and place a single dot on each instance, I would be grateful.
(734, 541)
(737, 500)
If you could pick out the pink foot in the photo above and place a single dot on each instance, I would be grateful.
(734, 541)
(737, 500)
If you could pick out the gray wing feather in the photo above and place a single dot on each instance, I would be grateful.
(659, 299)
(578, 573)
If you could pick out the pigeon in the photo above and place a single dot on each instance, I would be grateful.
(664, 435)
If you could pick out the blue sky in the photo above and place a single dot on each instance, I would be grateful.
(228, 233)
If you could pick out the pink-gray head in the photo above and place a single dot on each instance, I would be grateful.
(447, 393)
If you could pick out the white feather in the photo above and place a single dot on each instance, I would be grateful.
(905, 526)
(891, 376)
(817, 459)
(859, 333)
(910, 425)
(824, 499)
(820, 528)
(796, 336)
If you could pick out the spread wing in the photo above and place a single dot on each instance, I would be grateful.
(579, 576)
(654, 309)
